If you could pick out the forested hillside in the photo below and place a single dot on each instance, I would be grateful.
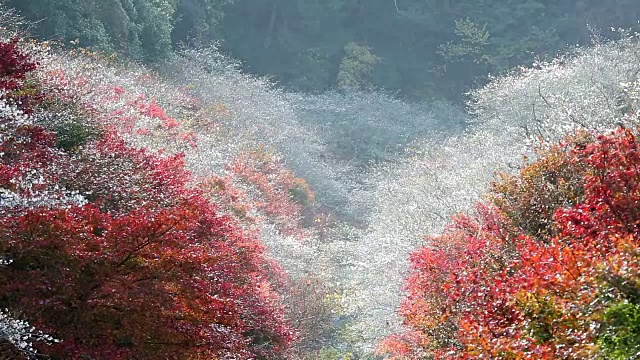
(420, 48)
(335, 180)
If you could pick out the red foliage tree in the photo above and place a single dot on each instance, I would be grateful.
(14, 67)
(171, 283)
(458, 266)
(107, 248)
(260, 187)
(503, 291)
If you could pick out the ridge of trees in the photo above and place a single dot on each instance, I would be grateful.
(421, 49)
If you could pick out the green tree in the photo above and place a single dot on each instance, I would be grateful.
(198, 21)
(429, 48)
(356, 67)
(139, 29)
(620, 339)
(299, 42)
(155, 21)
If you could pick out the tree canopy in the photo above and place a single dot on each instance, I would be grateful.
(425, 49)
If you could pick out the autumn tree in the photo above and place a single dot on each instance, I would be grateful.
(499, 286)
(109, 248)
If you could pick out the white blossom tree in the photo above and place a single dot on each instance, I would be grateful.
(21, 336)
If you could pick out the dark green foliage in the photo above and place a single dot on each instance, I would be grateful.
(356, 67)
(140, 29)
(300, 195)
(419, 48)
(155, 19)
(428, 48)
(198, 21)
(72, 134)
(621, 337)
(300, 42)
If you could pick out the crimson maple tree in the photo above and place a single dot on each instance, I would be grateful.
(14, 67)
(110, 249)
(505, 283)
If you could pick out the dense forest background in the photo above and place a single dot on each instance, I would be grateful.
(418, 48)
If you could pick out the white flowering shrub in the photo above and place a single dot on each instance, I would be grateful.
(592, 89)
(21, 334)
(30, 188)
